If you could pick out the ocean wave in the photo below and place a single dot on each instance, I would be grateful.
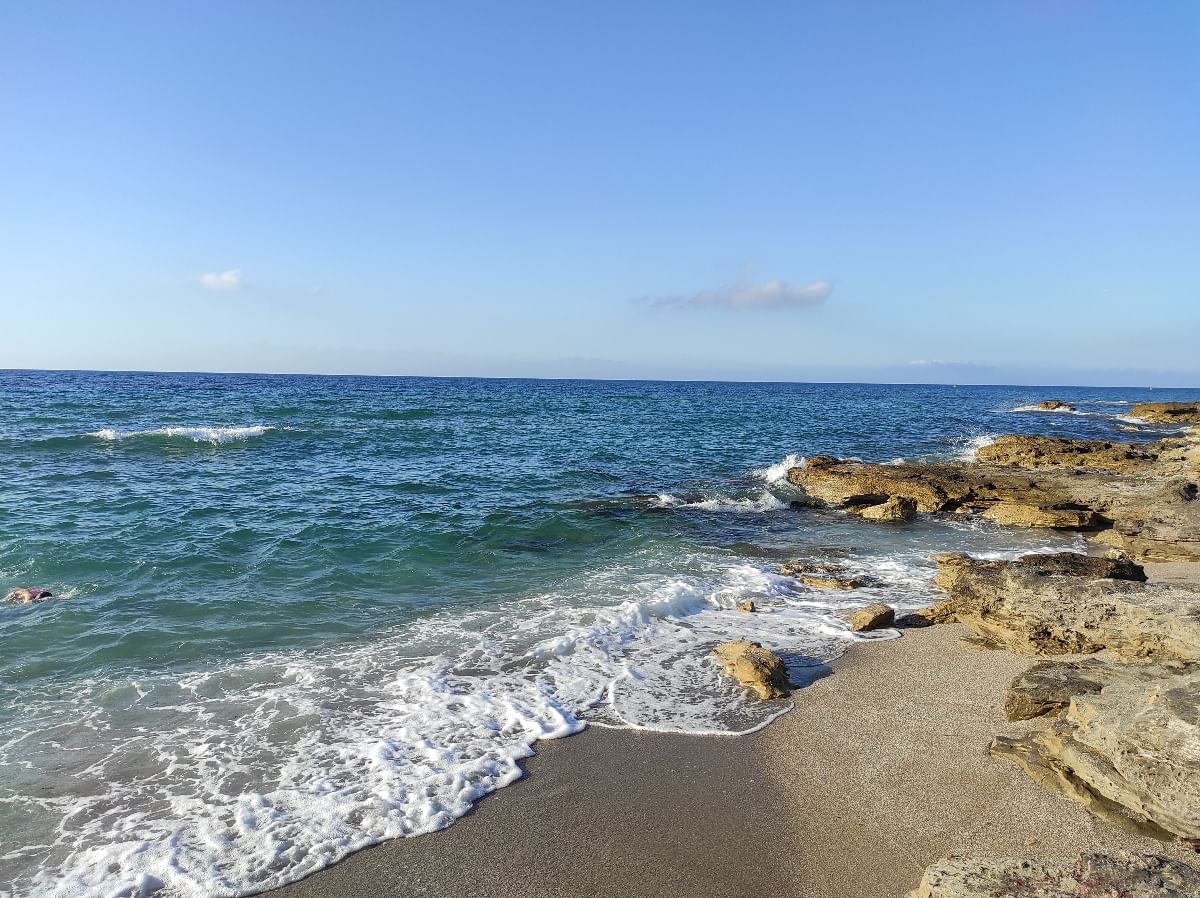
(214, 435)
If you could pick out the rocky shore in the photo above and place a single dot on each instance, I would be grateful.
(1035, 734)
(1116, 698)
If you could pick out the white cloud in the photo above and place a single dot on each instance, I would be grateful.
(774, 294)
(222, 280)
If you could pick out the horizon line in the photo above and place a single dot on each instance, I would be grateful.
(663, 380)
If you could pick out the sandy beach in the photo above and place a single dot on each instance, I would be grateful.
(880, 770)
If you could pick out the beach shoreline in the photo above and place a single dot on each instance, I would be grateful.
(881, 769)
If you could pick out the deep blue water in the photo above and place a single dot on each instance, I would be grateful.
(296, 615)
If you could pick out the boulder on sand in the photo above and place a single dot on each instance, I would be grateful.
(873, 617)
(756, 668)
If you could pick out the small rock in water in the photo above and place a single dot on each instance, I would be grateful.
(27, 595)
(746, 605)
(896, 510)
(1055, 405)
(754, 667)
(873, 617)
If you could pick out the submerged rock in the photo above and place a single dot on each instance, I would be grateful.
(822, 574)
(832, 581)
(756, 668)
(799, 566)
(1052, 605)
(1118, 875)
(873, 617)
(27, 595)
(897, 510)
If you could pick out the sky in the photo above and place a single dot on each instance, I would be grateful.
(984, 192)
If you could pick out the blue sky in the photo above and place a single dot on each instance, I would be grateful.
(934, 191)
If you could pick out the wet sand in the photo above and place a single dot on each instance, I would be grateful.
(880, 770)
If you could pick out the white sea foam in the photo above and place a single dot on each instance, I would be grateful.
(229, 781)
(777, 473)
(200, 434)
(775, 493)
(967, 448)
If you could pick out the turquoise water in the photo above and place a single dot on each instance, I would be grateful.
(294, 616)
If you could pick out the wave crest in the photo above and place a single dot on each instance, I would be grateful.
(215, 435)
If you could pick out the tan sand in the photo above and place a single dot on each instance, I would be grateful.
(881, 770)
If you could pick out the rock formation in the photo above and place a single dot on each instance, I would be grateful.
(1126, 745)
(1056, 605)
(1118, 875)
(1141, 498)
(756, 668)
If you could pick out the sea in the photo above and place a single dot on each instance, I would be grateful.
(295, 616)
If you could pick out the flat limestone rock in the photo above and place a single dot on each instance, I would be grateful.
(1018, 450)
(1118, 875)
(1032, 608)
(1048, 686)
(1064, 516)
(1167, 412)
(1129, 751)
(873, 617)
(756, 668)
